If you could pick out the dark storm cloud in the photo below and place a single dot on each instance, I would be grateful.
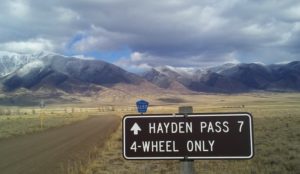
(173, 32)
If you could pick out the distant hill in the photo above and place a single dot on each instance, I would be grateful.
(231, 78)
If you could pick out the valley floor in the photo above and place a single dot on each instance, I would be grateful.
(276, 137)
(276, 132)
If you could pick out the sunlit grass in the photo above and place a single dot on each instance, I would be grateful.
(276, 133)
(26, 121)
(276, 139)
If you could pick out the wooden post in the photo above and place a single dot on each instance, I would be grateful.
(186, 165)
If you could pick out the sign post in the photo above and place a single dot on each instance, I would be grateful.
(42, 106)
(186, 165)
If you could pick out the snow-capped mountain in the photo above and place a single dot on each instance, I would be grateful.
(10, 62)
(26, 79)
(56, 72)
(186, 75)
(230, 77)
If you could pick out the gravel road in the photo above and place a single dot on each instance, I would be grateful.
(46, 152)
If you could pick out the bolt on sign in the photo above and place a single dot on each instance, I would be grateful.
(192, 136)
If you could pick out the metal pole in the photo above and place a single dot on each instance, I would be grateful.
(186, 166)
(42, 105)
(41, 119)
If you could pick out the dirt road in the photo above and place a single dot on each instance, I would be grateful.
(46, 152)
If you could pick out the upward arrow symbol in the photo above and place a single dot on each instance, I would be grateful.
(135, 128)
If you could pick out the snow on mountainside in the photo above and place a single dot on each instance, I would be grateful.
(27, 68)
(47, 71)
(230, 78)
(221, 68)
(10, 62)
(25, 79)
(192, 73)
(69, 74)
(176, 71)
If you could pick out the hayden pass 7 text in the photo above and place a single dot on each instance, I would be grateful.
(182, 128)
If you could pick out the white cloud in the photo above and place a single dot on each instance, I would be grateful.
(255, 30)
(293, 12)
(66, 15)
(136, 56)
(98, 38)
(178, 33)
(29, 46)
(18, 8)
(210, 19)
(142, 61)
(134, 63)
(135, 68)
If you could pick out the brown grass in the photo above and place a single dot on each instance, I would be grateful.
(16, 121)
(276, 132)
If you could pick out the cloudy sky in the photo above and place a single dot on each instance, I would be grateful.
(138, 34)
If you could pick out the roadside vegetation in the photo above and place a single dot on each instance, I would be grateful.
(16, 121)
(276, 135)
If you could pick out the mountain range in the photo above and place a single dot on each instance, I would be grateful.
(55, 73)
(230, 78)
(49, 75)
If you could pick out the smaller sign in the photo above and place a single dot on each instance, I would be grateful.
(142, 106)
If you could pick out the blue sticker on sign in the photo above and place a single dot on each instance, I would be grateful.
(142, 106)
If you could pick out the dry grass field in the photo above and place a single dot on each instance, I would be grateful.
(276, 138)
(20, 121)
(276, 131)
